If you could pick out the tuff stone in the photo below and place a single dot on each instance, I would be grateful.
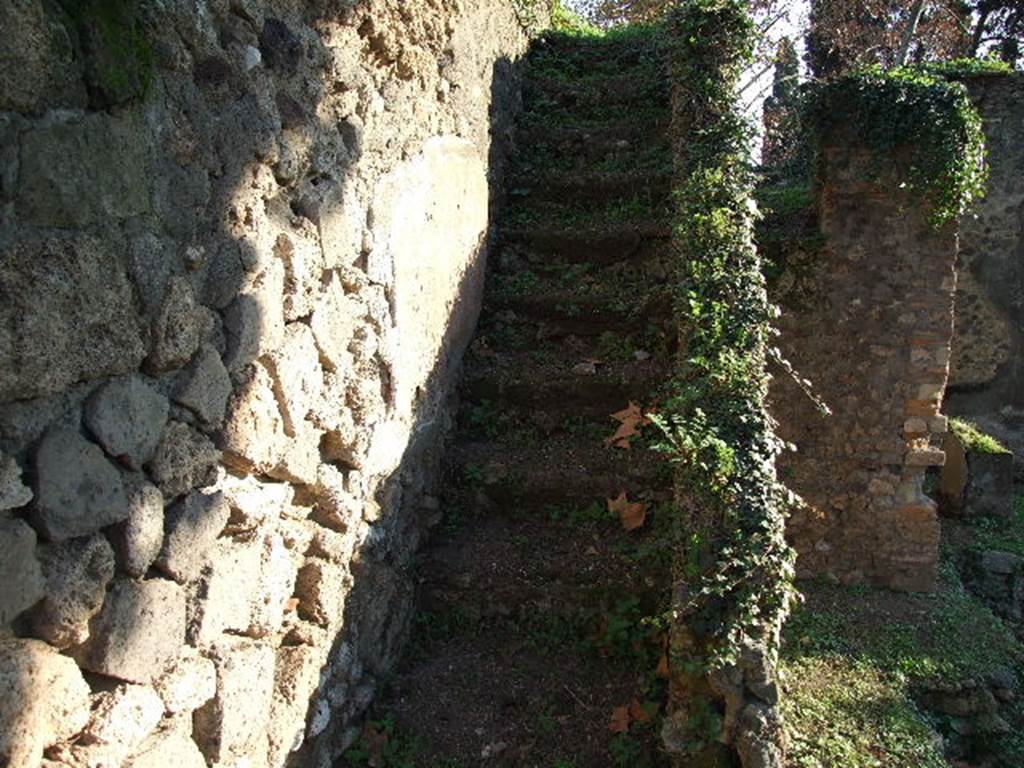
(169, 746)
(121, 720)
(21, 578)
(139, 630)
(127, 417)
(77, 573)
(83, 171)
(138, 539)
(248, 584)
(78, 491)
(321, 588)
(45, 700)
(189, 682)
(253, 435)
(51, 339)
(254, 321)
(13, 492)
(303, 260)
(192, 525)
(233, 724)
(206, 388)
(296, 680)
(253, 501)
(333, 324)
(298, 378)
(185, 459)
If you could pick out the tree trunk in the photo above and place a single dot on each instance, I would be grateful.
(908, 34)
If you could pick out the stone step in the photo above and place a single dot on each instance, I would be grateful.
(514, 479)
(565, 313)
(593, 140)
(598, 246)
(577, 58)
(562, 186)
(551, 386)
(625, 89)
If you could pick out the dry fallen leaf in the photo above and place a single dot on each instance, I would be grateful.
(375, 742)
(663, 669)
(620, 720)
(631, 514)
(630, 420)
(638, 712)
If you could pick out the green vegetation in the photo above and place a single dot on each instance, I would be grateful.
(116, 46)
(973, 439)
(716, 427)
(1002, 535)
(567, 21)
(853, 658)
(846, 713)
(911, 112)
(966, 67)
(382, 746)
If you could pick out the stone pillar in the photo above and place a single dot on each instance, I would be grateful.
(871, 327)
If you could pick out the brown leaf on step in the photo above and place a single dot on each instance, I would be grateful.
(630, 420)
(620, 720)
(663, 669)
(622, 436)
(593, 360)
(642, 713)
(631, 514)
(375, 742)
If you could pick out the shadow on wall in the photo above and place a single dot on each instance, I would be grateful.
(230, 420)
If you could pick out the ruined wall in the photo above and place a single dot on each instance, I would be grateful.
(868, 319)
(987, 369)
(241, 251)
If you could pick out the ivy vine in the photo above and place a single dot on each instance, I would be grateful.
(914, 110)
(736, 573)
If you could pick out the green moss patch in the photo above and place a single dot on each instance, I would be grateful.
(853, 656)
(973, 439)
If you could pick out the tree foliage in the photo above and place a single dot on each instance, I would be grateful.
(845, 35)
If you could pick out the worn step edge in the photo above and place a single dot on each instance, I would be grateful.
(590, 186)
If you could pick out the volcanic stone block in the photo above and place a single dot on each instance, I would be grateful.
(128, 417)
(139, 631)
(78, 490)
(207, 386)
(44, 700)
(233, 724)
(192, 526)
(189, 682)
(21, 579)
(13, 492)
(175, 331)
(77, 573)
(137, 540)
(185, 459)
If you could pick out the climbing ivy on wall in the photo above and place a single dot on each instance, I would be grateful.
(916, 111)
(736, 575)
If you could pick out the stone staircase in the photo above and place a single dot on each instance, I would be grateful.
(532, 597)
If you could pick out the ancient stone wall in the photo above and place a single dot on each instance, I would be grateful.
(868, 319)
(241, 251)
(987, 369)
